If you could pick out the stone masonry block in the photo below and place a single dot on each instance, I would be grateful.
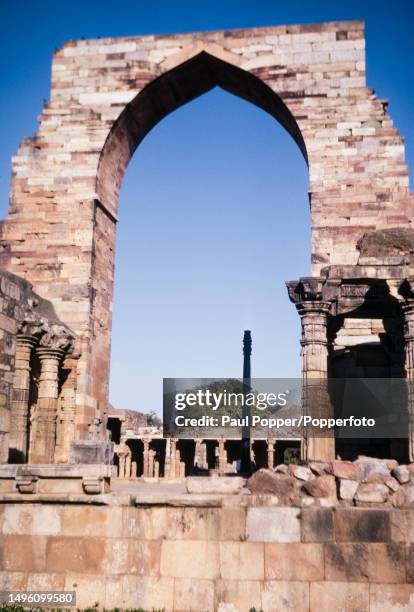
(238, 595)
(390, 597)
(273, 524)
(365, 562)
(344, 596)
(294, 561)
(92, 521)
(32, 519)
(317, 525)
(289, 596)
(241, 560)
(192, 594)
(362, 525)
(23, 553)
(75, 554)
(189, 559)
(402, 525)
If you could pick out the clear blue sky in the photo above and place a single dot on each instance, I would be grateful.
(213, 212)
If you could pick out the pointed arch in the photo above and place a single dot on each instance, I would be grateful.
(180, 84)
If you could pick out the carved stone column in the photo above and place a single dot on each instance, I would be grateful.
(167, 462)
(173, 449)
(408, 309)
(313, 312)
(222, 462)
(43, 433)
(145, 454)
(271, 453)
(65, 428)
(19, 427)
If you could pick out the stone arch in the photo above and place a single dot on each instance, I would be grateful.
(182, 82)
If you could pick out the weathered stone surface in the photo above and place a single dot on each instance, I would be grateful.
(392, 484)
(191, 594)
(223, 485)
(344, 596)
(74, 554)
(317, 525)
(402, 474)
(273, 525)
(285, 595)
(242, 560)
(374, 471)
(320, 467)
(347, 489)
(391, 241)
(91, 451)
(282, 468)
(402, 525)
(294, 561)
(190, 559)
(345, 470)
(301, 472)
(361, 525)
(386, 597)
(23, 553)
(372, 492)
(267, 481)
(409, 494)
(365, 562)
(322, 486)
(236, 595)
(32, 519)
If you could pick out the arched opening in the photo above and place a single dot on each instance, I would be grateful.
(159, 98)
(168, 92)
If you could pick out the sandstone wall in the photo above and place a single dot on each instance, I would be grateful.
(11, 296)
(108, 93)
(202, 558)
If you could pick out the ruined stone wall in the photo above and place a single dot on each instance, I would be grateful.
(60, 230)
(10, 300)
(202, 558)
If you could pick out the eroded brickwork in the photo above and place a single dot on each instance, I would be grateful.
(108, 93)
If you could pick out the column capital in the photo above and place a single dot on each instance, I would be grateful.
(307, 294)
(313, 307)
(44, 352)
(408, 306)
(57, 337)
(26, 340)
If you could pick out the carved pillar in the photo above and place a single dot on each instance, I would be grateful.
(43, 434)
(19, 427)
(197, 453)
(151, 459)
(408, 309)
(121, 465)
(173, 447)
(65, 427)
(167, 461)
(271, 453)
(222, 458)
(313, 312)
(177, 464)
(128, 465)
(146, 458)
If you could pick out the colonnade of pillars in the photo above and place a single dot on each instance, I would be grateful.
(37, 434)
(175, 465)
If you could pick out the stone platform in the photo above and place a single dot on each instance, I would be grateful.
(213, 553)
